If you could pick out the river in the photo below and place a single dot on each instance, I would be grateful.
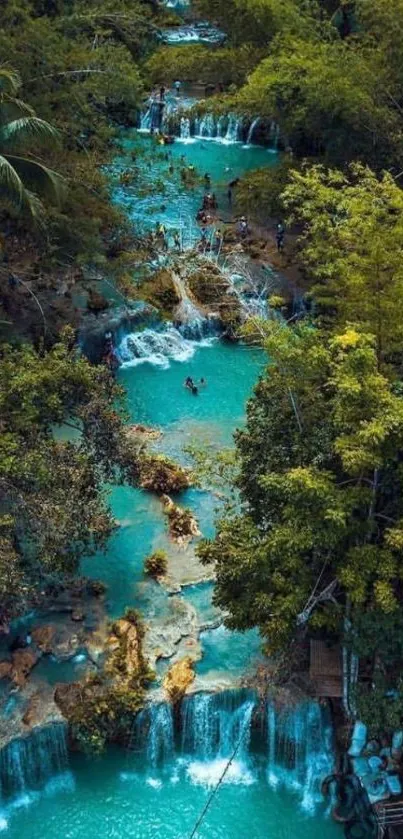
(159, 786)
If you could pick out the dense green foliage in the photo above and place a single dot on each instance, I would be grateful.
(321, 482)
(52, 504)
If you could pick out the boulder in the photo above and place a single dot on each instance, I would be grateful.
(43, 637)
(179, 678)
(77, 615)
(22, 663)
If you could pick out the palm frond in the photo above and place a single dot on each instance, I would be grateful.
(11, 108)
(10, 81)
(20, 131)
(37, 177)
(11, 186)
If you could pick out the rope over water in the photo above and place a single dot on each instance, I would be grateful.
(217, 786)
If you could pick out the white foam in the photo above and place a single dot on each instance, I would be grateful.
(208, 773)
(3, 823)
(158, 348)
(155, 783)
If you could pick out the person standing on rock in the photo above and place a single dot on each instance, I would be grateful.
(177, 86)
(280, 233)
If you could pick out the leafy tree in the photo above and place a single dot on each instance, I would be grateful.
(260, 190)
(327, 100)
(21, 178)
(258, 21)
(52, 503)
(226, 65)
(320, 481)
(351, 246)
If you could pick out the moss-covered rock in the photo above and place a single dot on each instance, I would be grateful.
(231, 318)
(159, 290)
(156, 564)
(182, 523)
(179, 678)
(160, 474)
(208, 285)
(100, 709)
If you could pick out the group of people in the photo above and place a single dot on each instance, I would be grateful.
(161, 236)
(194, 388)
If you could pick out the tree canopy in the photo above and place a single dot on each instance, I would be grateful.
(53, 506)
(320, 481)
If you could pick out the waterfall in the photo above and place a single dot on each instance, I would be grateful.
(207, 127)
(232, 134)
(252, 131)
(214, 724)
(217, 727)
(158, 347)
(145, 123)
(212, 733)
(153, 733)
(185, 128)
(29, 762)
(299, 749)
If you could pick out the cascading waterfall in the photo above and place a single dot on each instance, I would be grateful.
(212, 728)
(299, 749)
(214, 724)
(207, 127)
(29, 762)
(185, 128)
(233, 130)
(158, 347)
(251, 131)
(153, 734)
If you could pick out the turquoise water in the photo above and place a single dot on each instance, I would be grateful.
(114, 798)
(157, 397)
(162, 194)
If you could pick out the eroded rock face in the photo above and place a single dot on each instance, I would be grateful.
(179, 678)
(125, 646)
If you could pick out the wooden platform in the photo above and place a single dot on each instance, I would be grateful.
(325, 669)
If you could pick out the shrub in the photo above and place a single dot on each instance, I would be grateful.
(156, 564)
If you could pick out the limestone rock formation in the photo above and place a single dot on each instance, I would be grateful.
(179, 678)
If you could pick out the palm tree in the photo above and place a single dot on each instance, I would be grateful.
(23, 178)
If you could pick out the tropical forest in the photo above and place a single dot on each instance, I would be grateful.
(201, 419)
